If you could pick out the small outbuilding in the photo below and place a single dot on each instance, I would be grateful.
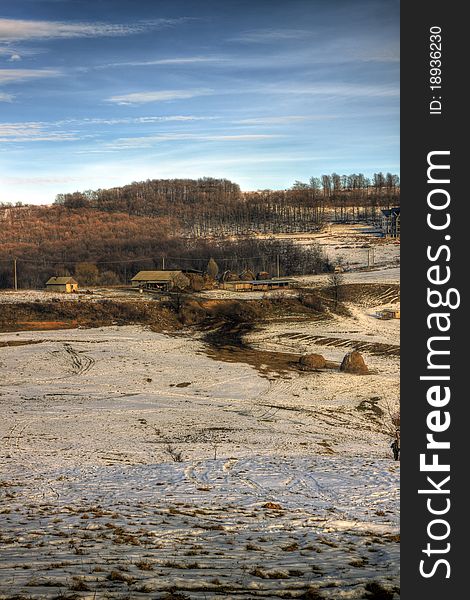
(62, 284)
(160, 280)
(389, 313)
(255, 285)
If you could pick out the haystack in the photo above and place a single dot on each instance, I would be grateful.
(312, 362)
(354, 363)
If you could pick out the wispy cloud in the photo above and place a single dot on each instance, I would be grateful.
(38, 180)
(16, 53)
(283, 120)
(135, 120)
(32, 132)
(282, 88)
(158, 96)
(263, 36)
(333, 89)
(16, 29)
(181, 60)
(57, 131)
(6, 97)
(15, 75)
(149, 141)
(9, 53)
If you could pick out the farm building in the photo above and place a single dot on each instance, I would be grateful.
(62, 284)
(389, 313)
(390, 222)
(160, 280)
(255, 285)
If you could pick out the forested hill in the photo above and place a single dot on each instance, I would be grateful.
(182, 221)
(217, 206)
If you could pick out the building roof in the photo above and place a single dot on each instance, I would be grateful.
(155, 275)
(60, 280)
(260, 281)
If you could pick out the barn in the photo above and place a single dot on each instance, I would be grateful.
(255, 285)
(62, 284)
(160, 280)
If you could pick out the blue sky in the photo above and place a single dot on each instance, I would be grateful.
(99, 93)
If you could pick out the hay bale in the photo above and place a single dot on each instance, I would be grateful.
(354, 363)
(272, 506)
(311, 362)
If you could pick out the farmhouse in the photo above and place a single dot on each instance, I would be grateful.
(160, 280)
(390, 222)
(62, 284)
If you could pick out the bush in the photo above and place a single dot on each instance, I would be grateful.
(191, 313)
(312, 300)
(236, 312)
(376, 591)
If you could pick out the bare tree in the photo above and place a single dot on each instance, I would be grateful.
(212, 268)
(336, 280)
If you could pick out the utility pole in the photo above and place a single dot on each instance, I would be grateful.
(278, 267)
(163, 263)
(15, 277)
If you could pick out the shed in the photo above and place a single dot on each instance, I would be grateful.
(62, 284)
(160, 280)
(257, 285)
(389, 313)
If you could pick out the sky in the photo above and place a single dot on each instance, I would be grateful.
(100, 93)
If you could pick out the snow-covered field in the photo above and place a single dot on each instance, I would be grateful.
(286, 487)
(350, 242)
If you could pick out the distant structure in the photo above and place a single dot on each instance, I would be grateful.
(255, 285)
(389, 313)
(62, 284)
(164, 281)
(390, 222)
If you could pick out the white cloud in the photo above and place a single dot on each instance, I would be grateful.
(38, 180)
(14, 75)
(158, 96)
(148, 141)
(16, 29)
(283, 120)
(327, 89)
(11, 54)
(134, 120)
(6, 97)
(15, 53)
(32, 132)
(262, 36)
(183, 60)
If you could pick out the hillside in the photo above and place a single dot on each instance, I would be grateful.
(210, 206)
(122, 230)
